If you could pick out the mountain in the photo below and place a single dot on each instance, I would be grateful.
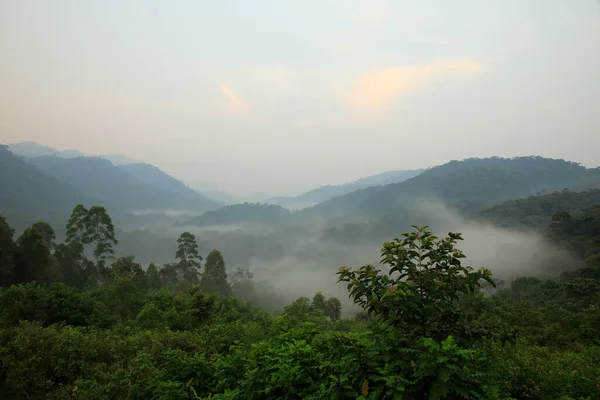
(328, 192)
(386, 178)
(118, 159)
(33, 149)
(243, 214)
(156, 177)
(535, 212)
(466, 186)
(110, 184)
(29, 195)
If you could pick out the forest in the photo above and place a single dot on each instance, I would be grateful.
(494, 293)
(76, 322)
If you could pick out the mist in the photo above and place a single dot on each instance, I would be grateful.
(305, 264)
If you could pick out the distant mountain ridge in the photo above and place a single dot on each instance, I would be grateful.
(133, 187)
(465, 187)
(48, 187)
(33, 149)
(29, 195)
(329, 192)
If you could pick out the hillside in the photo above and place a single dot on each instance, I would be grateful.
(33, 149)
(29, 195)
(242, 214)
(535, 212)
(328, 192)
(100, 179)
(155, 176)
(467, 186)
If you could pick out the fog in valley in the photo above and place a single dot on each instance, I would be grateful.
(300, 262)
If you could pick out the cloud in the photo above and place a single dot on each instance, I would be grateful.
(236, 103)
(378, 88)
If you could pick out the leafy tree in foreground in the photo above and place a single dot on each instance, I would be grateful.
(189, 257)
(214, 278)
(421, 290)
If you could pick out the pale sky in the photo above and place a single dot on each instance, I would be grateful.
(278, 97)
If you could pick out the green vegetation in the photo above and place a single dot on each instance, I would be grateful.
(76, 323)
(468, 186)
(536, 212)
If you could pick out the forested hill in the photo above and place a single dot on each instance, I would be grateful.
(535, 212)
(158, 178)
(324, 193)
(242, 214)
(468, 186)
(110, 184)
(28, 195)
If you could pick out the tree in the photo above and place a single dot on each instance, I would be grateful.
(153, 276)
(242, 284)
(126, 267)
(318, 302)
(299, 307)
(33, 257)
(8, 252)
(73, 268)
(333, 309)
(214, 278)
(76, 224)
(189, 257)
(47, 233)
(100, 231)
(421, 290)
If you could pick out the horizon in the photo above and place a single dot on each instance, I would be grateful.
(257, 197)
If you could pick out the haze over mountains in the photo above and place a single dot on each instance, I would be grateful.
(344, 224)
(325, 193)
(33, 149)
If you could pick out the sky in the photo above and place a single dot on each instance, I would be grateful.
(278, 97)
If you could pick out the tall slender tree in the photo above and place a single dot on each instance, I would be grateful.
(76, 224)
(189, 263)
(100, 231)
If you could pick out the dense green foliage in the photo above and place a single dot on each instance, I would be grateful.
(82, 318)
(75, 328)
(536, 212)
